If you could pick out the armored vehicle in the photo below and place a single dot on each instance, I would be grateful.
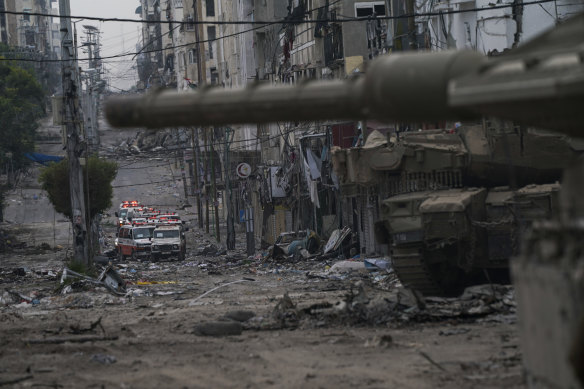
(450, 216)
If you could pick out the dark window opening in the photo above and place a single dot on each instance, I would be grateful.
(379, 9)
(211, 36)
(210, 6)
(364, 12)
(214, 76)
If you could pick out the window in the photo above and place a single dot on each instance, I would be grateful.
(190, 26)
(192, 56)
(367, 9)
(26, 16)
(214, 76)
(210, 7)
(181, 60)
(211, 36)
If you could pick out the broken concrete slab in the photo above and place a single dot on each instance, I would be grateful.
(347, 266)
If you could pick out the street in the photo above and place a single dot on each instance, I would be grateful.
(222, 319)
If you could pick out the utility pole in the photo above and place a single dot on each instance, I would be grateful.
(412, 38)
(214, 187)
(206, 181)
(183, 173)
(74, 146)
(201, 78)
(195, 145)
(201, 66)
(230, 242)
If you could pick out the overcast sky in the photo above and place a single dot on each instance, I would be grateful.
(116, 37)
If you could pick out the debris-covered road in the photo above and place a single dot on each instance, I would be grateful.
(223, 319)
(265, 324)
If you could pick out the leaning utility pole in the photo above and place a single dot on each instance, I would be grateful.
(74, 147)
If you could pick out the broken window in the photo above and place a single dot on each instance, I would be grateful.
(190, 25)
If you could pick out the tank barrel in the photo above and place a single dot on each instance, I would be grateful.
(259, 103)
(393, 88)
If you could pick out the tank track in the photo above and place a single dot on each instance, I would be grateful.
(413, 271)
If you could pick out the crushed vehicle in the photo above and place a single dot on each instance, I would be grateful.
(168, 241)
(291, 244)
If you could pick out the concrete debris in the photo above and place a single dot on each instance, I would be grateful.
(336, 240)
(104, 359)
(108, 278)
(218, 328)
(380, 341)
(347, 266)
(211, 250)
(365, 305)
(377, 264)
(454, 331)
(240, 316)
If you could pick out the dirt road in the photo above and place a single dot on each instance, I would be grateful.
(269, 324)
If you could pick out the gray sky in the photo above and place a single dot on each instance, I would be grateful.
(116, 37)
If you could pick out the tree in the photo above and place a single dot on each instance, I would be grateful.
(98, 176)
(21, 106)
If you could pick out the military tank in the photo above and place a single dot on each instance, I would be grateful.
(456, 202)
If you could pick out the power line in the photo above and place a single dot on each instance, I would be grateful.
(143, 52)
(267, 24)
(285, 20)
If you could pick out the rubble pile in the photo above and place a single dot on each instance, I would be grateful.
(147, 141)
(364, 305)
